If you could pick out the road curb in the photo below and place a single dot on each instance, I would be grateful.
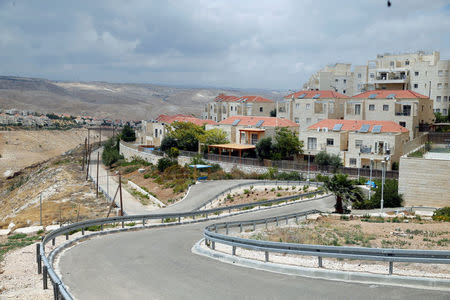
(367, 278)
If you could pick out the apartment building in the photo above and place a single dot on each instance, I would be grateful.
(424, 73)
(357, 142)
(250, 129)
(225, 106)
(153, 132)
(309, 107)
(407, 108)
(340, 78)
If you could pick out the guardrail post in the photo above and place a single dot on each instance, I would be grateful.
(233, 252)
(38, 258)
(229, 211)
(215, 228)
(276, 220)
(391, 267)
(320, 261)
(123, 225)
(266, 254)
(226, 227)
(265, 220)
(254, 225)
(296, 219)
(287, 220)
(53, 242)
(206, 215)
(44, 278)
(55, 291)
(240, 225)
(101, 227)
(213, 245)
(82, 231)
(67, 236)
(143, 222)
(179, 219)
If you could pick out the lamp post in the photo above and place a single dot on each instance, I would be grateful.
(383, 164)
(370, 187)
(309, 155)
(359, 165)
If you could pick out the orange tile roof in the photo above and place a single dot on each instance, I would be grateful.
(253, 120)
(225, 98)
(355, 125)
(399, 94)
(258, 99)
(310, 94)
(183, 118)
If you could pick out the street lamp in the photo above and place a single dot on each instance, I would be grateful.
(359, 166)
(370, 178)
(383, 176)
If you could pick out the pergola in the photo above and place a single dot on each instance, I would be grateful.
(231, 147)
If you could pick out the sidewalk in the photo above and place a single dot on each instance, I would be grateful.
(131, 205)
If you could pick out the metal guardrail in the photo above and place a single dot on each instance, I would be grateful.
(374, 254)
(60, 291)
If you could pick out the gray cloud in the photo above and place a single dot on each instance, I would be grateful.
(264, 44)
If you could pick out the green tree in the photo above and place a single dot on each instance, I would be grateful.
(391, 197)
(214, 136)
(325, 159)
(111, 152)
(287, 143)
(173, 152)
(128, 134)
(273, 112)
(264, 148)
(186, 134)
(344, 191)
(167, 143)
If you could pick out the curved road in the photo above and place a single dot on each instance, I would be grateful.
(158, 264)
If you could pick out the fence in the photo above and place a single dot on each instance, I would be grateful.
(374, 254)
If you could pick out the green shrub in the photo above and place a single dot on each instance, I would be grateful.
(164, 163)
(442, 214)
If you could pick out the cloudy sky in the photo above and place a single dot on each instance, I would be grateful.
(228, 43)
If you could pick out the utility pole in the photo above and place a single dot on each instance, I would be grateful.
(40, 209)
(100, 136)
(98, 162)
(383, 164)
(88, 162)
(370, 180)
(309, 155)
(84, 153)
(89, 138)
(107, 183)
(120, 194)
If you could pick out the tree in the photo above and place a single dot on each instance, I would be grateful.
(128, 134)
(186, 134)
(111, 152)
(264, 148)
(167, 143)
(287, 143)
(273, 112)
(344, 191)
(325, 159)
(214, 136)
(173, 152)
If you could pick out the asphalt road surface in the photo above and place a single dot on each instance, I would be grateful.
(158, 264)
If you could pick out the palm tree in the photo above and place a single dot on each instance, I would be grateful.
(344, 191)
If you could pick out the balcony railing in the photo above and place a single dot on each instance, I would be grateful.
(403, 113)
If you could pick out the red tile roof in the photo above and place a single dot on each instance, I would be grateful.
(183, 118)
(355, 125)
(310, 94)
(399, 94)
(225, 98)
(253, 99)
(252, 121)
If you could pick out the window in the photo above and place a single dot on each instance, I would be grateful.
(330, 142)
(345, 81)
(353, 161)
(391, 63)
(297, 105)
(416, 73)
(372, 107)
(359, 75)
(416, 85)
(297, 120)
(336, 80)
(438, 110)
(308, 121)
(156, 133)
(386, 107)
(439, 86)
(403, 124)
(446, 85)
(445, 98)
(211, 107)
(343, 91)
(160, 131)
(444, 111)
(357, 109)
(308, 106)
(260, 109)
(441, 73)
(231, 108)
(372, 75)
(358, 143)
(312, 143)
(406, 62)
(438, 98)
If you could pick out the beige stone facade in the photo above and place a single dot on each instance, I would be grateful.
(424, 182)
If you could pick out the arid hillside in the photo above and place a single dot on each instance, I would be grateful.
(109, 100)
(22, 148)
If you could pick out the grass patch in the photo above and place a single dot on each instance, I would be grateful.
(15, 241)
